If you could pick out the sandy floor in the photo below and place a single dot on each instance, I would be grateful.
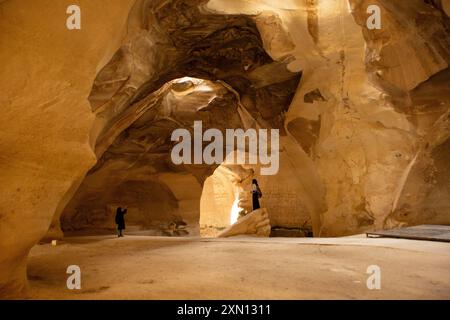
(137, 267)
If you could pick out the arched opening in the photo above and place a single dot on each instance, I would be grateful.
(137, 171)
(220, 75)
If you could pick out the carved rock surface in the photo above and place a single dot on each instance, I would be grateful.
(363, 114)
(255, 223)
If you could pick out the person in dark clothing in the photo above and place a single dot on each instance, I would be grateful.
(256, 195)
(120, 220)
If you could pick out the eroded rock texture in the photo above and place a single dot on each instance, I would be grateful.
(256, 223)
(86, 115)
(45, 78)
(195, 44)
(139, 105)
(357, 109)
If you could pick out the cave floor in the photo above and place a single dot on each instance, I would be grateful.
(139, 267)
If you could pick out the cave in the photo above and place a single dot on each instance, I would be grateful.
(173, 109)
(214, 76)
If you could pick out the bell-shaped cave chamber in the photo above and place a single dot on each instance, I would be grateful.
(136, 171)
(181, 64)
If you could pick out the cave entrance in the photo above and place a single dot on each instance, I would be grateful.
(225, 198)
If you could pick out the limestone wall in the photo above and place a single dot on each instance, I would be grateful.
(366, 136)
(46, 76)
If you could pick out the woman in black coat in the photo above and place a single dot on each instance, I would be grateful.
(256, 195)
(120, 220)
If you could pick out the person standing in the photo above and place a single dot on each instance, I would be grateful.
(256, 195)
(120, 220)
